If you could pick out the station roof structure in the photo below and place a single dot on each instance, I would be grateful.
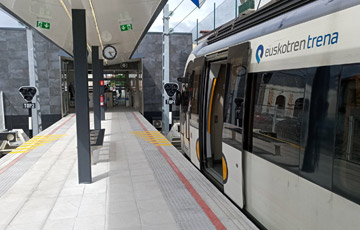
(120, 23)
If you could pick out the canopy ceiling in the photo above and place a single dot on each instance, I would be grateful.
(103, 17)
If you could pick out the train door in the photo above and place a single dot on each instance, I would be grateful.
(194, 111)
(190, 108)
(214, 118)
(235, 124)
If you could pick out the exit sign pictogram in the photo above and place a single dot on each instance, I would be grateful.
(126, 27)
(44, 25)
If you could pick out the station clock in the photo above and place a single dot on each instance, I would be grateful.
(109, 52)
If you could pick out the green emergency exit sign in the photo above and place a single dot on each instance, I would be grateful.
(126, 27)
(44, 25)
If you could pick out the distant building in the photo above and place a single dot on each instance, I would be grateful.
(56, 73)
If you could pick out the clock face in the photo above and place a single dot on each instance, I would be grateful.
(109, 52)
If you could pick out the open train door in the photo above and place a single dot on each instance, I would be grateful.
(215, 91)
(235, 123)
(194, 111)
(190, 111)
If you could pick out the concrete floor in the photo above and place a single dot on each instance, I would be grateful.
(130, 189)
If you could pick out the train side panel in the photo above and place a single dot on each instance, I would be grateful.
(283, 200)
(233, 183)
(194, 146)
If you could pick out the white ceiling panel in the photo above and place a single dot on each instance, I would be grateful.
(103, 18)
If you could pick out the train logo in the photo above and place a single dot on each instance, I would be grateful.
(260, 50)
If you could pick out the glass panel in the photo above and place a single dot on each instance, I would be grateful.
(346, 175)
(277, 116)
(195, 93)
(194, 90)
(234, 103)
(233, 115)
(185, 98)
(318, 125)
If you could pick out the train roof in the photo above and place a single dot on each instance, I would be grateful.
(278, 16)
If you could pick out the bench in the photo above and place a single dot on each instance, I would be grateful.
(96, 142)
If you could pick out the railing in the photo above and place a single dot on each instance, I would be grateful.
(2, 112)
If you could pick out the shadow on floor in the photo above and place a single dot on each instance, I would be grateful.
(100, 177)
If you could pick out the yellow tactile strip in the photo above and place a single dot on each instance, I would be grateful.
(153, 137)
(35, 142)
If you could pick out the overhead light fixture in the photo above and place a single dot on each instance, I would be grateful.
(66, 10)
(70, 17)
(96, 24)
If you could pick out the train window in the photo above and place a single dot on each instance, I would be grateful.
(234, 100)
(318, 125)
(233, 111)
(194, 90)
(346, 173)
(277, 116)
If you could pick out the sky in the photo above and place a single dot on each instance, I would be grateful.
(7, 20)
(184, 9)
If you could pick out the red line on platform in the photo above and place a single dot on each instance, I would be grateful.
(12, 163)
(141, 124)
(213, 218)
(57, 128)
(23, 154)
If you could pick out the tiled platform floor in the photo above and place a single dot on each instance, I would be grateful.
(135, 185)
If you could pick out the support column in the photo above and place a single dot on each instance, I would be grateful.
(96, 87)
(166, 66)
(34, 81)
(137, 94)
(102, 88)
(81, 96)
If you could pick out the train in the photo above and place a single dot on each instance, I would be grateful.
(270, 113)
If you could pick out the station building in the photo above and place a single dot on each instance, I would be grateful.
(55, 70)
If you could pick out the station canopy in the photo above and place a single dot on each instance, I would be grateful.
(120, 23)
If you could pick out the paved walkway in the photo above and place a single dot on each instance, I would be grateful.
(140, 181)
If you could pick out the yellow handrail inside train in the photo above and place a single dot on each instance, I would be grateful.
(211, 102)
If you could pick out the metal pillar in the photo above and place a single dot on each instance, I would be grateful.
(236, 8)
(81, 95)
(34, 81)
(197, 31)
(102, 88)
(166, 65)
(137, 94)
(96, 87)
(30, 124)
(214, 16)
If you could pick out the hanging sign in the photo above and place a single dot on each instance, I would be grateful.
(43, 25)
(126, 27)
(196, 2)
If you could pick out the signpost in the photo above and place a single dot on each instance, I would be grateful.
(29, 105)
(28, 92)
(126, 27)
(171, 88)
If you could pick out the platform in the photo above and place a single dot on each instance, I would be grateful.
(140, 181)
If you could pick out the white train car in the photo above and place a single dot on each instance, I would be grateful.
(270, 113)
